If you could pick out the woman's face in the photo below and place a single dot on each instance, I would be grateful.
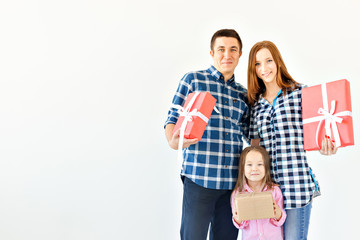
(265, 66)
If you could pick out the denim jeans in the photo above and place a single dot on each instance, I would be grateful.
(296, 225)
(203, 206)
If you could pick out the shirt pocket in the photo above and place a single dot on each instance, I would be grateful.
(237, 110)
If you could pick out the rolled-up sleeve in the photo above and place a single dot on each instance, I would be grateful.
(182, 91)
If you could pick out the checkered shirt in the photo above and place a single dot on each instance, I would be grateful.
(213, 161)
(279, 126)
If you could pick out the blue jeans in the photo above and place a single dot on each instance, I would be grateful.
(296, 225)
(203, 206)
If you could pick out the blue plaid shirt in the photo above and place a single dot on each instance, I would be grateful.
(213, 161)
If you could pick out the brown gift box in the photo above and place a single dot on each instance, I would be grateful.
(252, 206)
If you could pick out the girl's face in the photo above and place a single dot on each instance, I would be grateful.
(254, 167)
(265, 66)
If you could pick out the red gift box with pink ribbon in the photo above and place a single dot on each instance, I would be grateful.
(326, 110)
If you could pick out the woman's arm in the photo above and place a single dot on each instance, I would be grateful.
(255, 142)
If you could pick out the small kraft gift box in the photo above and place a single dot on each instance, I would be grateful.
(255, 205)
(195, 115)
(326, 110)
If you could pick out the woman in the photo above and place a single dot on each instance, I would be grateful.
(276, 124)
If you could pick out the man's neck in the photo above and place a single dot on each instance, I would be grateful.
(227, 76)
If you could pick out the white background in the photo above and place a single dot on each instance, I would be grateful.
(85, 87)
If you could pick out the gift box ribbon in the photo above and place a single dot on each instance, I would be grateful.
(330, 117)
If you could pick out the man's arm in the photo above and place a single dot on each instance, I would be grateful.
(173, 139)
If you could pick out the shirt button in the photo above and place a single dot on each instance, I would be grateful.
(227, 150)
(227, 117)
(225, 101)
(227, 134)
(226, 166)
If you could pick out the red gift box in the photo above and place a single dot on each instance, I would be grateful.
(326, 110)
(196, 111)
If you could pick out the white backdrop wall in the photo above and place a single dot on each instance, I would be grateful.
(85, 87)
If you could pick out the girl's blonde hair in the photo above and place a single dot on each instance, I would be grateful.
(255, 85)
(241, 177)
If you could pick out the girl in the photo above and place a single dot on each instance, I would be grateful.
(254, 176)
(276, 124)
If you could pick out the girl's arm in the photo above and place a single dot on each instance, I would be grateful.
(280, 214)
(241, 225)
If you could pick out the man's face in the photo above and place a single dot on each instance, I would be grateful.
(226, 54)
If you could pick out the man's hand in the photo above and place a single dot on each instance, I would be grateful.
(173, 139)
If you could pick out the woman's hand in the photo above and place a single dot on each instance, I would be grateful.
(328, 146)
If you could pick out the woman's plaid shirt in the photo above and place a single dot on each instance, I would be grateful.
(213, 161)
(279, 126)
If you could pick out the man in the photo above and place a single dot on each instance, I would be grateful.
(210, 167)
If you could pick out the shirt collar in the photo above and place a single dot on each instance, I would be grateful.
(215, 73)
(264, 101)
(248, 189)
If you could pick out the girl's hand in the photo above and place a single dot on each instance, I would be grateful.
(328, 146)
(235, 214)
(277, 211)
(236, 217)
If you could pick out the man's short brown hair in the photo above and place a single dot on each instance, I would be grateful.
(225, 33)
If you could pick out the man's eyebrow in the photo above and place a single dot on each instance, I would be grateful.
(224, 47)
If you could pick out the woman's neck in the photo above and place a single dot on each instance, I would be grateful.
(271, 92)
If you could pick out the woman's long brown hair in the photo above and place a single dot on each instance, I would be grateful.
(255, 85)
